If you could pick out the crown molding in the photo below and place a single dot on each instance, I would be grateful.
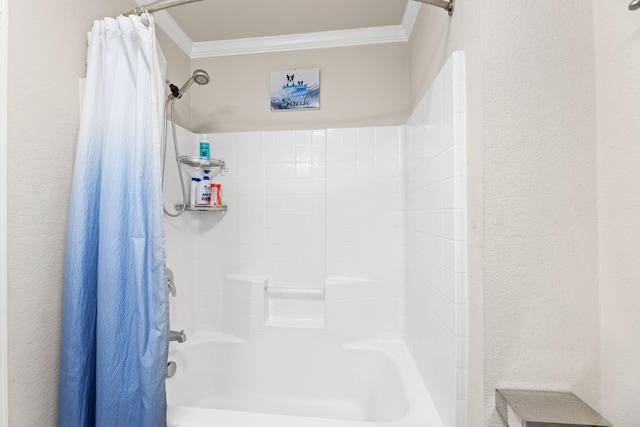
(319, 40)
(326, 39)
(174, 31)
(410, 16)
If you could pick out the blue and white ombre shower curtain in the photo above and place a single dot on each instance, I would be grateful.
(116, 318)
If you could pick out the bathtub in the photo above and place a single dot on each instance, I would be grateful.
(225, 381)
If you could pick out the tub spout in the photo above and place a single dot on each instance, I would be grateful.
(177, 336)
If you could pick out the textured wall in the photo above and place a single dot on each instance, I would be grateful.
(4, 396)
(531, 163)
(618, 64)
(47, 54)
(540, 243)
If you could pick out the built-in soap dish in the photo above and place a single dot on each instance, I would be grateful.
(532, 408)
(294, 307)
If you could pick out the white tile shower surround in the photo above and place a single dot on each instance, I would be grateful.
(436, 240)
(326, 210)
(303, 206)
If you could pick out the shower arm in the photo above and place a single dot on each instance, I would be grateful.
(159, 5)
(446, 5)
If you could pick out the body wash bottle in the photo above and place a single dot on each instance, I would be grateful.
(204, 192)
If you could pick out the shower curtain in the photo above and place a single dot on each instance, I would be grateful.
(115, 314)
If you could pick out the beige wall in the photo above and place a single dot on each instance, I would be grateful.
(532, 192)
(47, 54)
(360, 86)
(618, 88)
(4, 408)
(178, 72)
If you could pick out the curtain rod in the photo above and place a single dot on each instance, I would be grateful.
(446, 5)
(165, 4)
(159, 5)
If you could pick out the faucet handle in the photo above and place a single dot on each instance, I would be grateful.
(171, 283)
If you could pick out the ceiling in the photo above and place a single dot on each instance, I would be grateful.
(231, 27)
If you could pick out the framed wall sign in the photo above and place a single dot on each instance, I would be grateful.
(295, 89)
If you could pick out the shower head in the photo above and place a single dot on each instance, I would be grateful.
(199, 76)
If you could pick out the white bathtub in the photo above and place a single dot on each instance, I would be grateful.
(223, 381)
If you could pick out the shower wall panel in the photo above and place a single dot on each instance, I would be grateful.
(295, 208)
(365, 223)
(302, 206)
(436, 240)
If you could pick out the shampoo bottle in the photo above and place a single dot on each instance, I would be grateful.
(204, 192)
(205, 147)
(193, 195)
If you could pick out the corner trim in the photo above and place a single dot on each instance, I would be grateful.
(4, 328)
